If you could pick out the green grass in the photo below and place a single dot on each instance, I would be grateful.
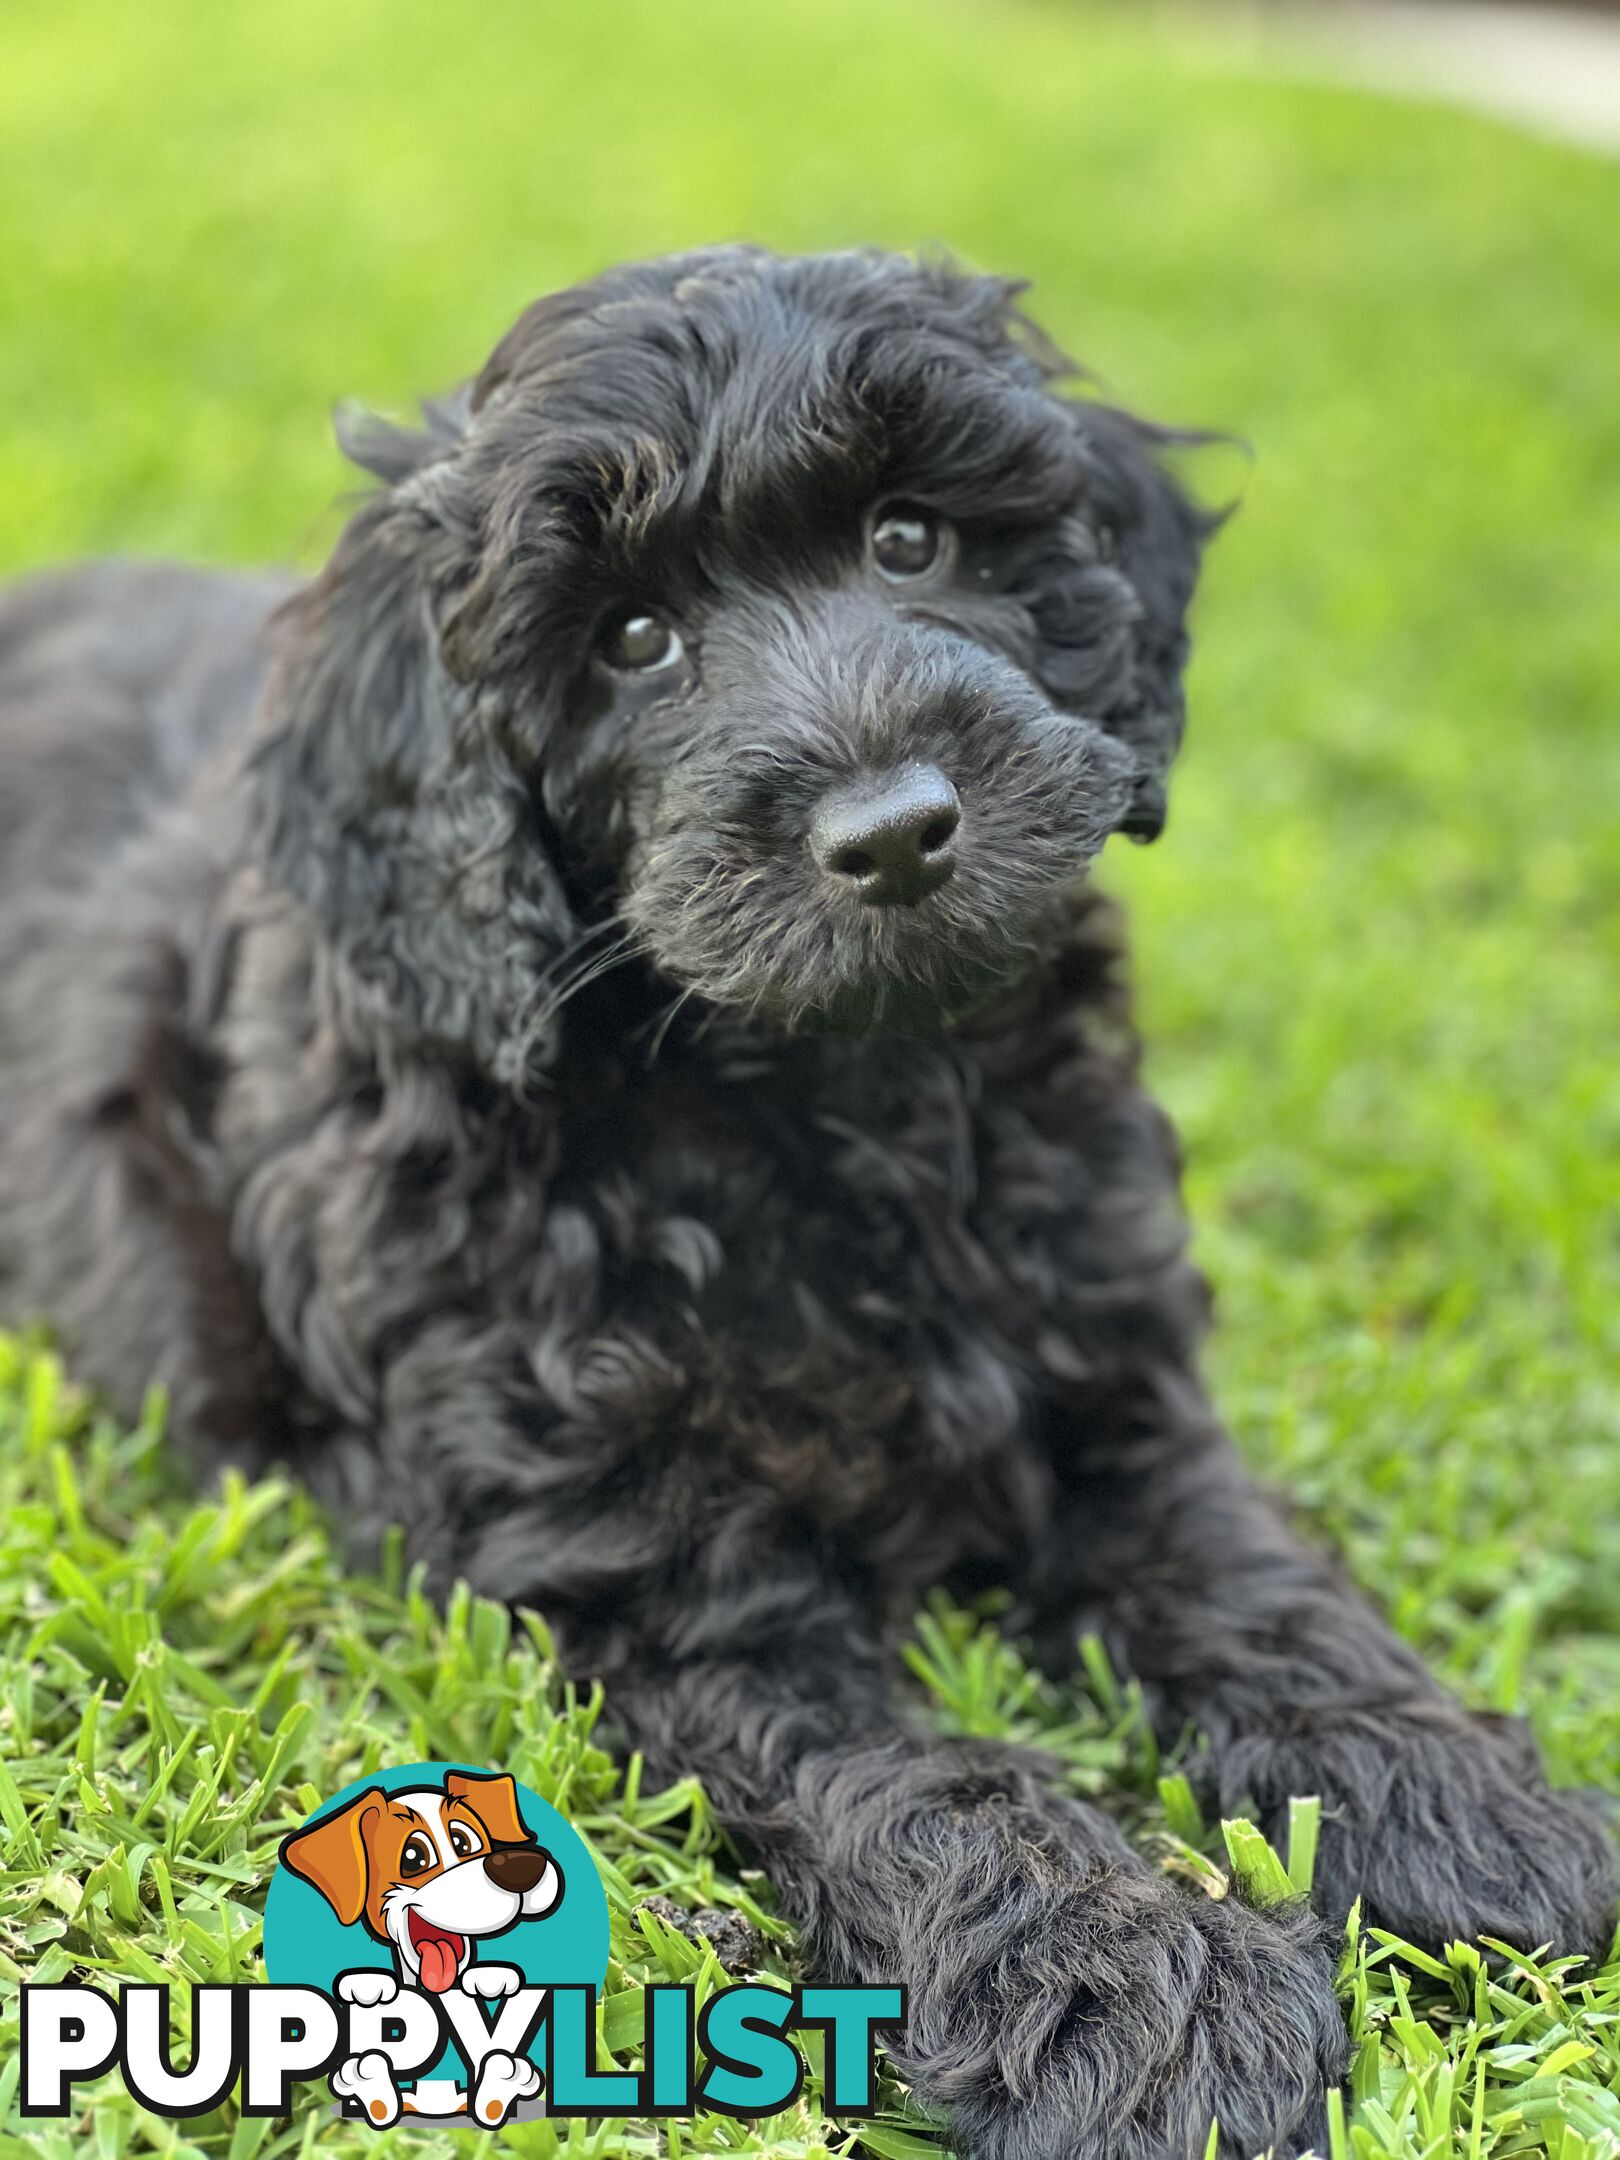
(180, 1683)
(1378, 951)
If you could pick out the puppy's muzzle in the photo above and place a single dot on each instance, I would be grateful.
(891, 839)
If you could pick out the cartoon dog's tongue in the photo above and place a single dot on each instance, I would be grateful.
(440, 1953)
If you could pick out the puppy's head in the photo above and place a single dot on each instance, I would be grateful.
(771, 621)
(429, 1870)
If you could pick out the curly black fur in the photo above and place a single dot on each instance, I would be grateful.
(443, 1064)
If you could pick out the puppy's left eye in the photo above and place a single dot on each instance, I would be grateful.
(641, 645)
(908, 541)
(462, 1841)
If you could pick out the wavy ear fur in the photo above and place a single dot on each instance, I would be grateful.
(1155, 533)
(387, 802)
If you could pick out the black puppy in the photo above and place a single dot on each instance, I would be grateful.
(603, 1055)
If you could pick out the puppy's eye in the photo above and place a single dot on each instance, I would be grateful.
(907, 541)
(462, 1841)
(417, 1856)
(641, 645)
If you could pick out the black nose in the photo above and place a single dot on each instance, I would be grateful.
(515, 1867)
(893, 839)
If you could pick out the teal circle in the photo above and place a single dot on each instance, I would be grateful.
(306, 1945)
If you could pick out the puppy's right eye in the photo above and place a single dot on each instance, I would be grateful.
(416, 1856)
(907, 541)
(641, 645)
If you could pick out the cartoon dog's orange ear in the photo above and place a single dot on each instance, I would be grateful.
(331, 1854)
(492, 1796)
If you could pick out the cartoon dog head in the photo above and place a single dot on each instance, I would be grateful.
(429, 1870)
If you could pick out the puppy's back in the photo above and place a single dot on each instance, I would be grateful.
(115, 680)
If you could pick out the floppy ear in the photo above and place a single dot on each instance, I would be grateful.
(331, 1854)
(493, 1799)
(385, 797)
(1155, 534)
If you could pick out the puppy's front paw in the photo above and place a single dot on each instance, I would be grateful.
(491, 1981)
(1446, 1832)
(1132, 2016)
(503, 2080)
(368, 2080)
(366, 1987)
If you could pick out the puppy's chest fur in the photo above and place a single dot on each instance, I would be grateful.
(873, 1288)
(872, 1278)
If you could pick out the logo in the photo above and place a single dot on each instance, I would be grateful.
(434, 1903)
(435, 1937)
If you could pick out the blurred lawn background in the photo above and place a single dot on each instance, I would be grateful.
(1378, 951)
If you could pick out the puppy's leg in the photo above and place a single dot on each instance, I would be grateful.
(1063, 1997)
(1441, 1821)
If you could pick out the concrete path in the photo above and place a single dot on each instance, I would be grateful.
(1553, 69)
